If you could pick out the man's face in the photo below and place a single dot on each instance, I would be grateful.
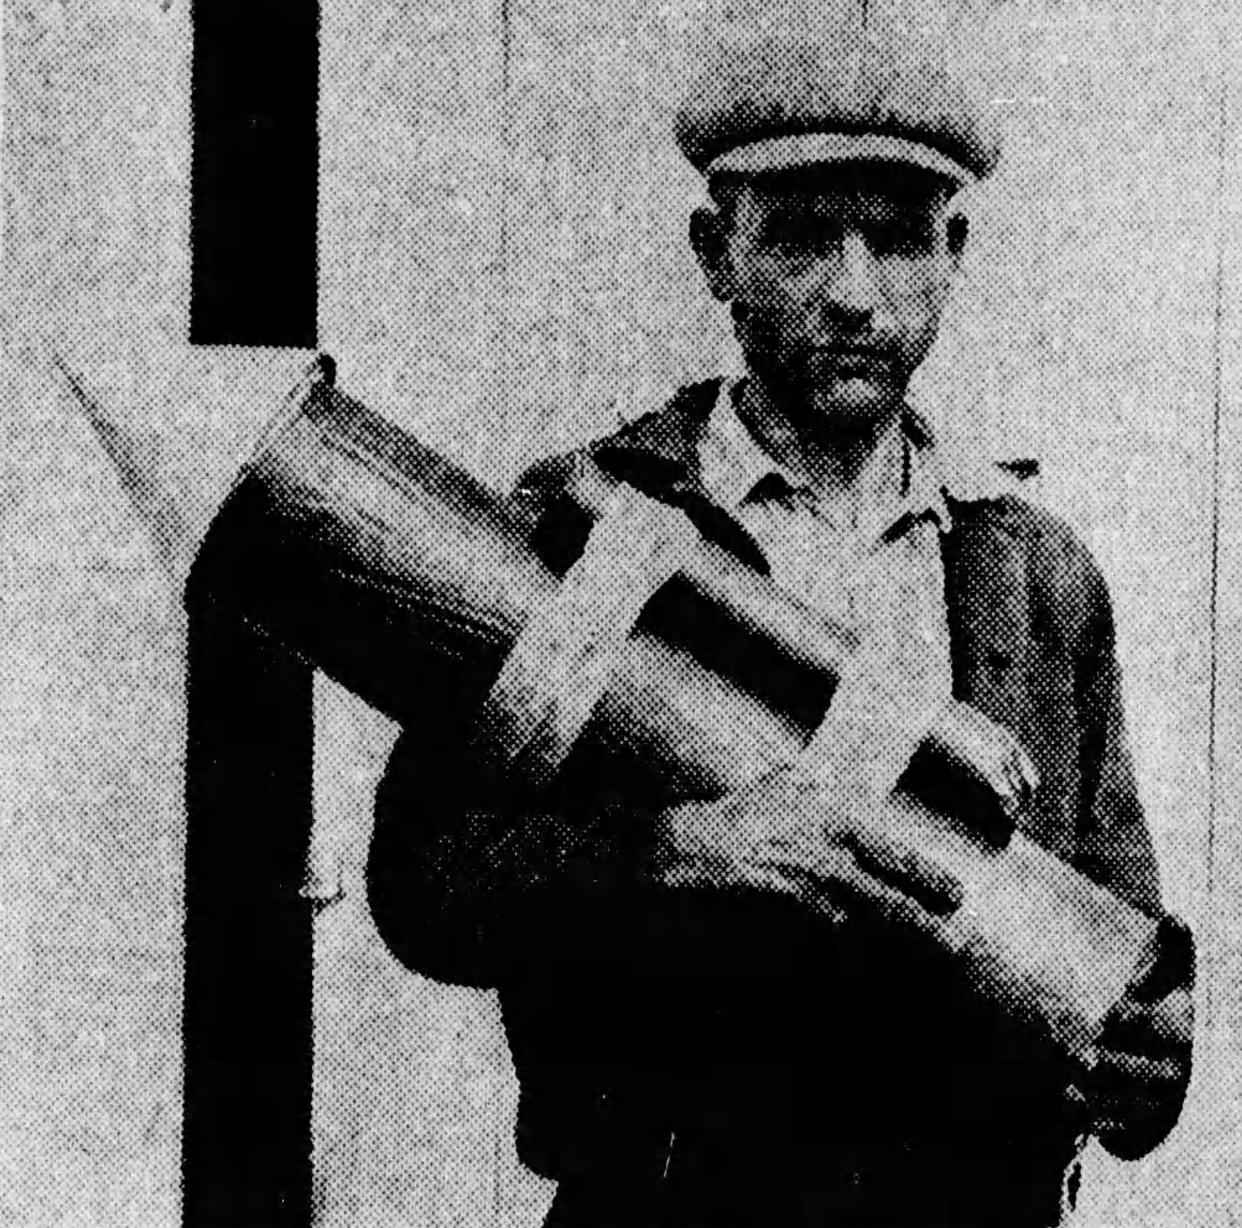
(838, 278)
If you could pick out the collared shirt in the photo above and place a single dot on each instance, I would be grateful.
(820, 543)
(868, 557)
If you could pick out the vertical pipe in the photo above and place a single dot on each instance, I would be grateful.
(255, 174)
(247, 1025)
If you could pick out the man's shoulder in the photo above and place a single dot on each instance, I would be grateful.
(1063, 580)
(654, 452)
(668, 433)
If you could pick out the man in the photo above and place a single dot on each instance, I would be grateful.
(741, 1010)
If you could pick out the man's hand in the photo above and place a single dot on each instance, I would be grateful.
(793, 837)
(1141, 1073)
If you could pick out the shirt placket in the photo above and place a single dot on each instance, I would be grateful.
(900, 676)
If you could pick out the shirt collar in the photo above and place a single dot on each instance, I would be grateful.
(732, 464)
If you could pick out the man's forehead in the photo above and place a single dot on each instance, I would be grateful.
(848, 189)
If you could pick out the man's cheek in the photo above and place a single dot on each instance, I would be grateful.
(921, 320)
(767, 328)
(787, 328)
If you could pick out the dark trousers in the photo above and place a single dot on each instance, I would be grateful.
(699, 1191)
(704, 1188)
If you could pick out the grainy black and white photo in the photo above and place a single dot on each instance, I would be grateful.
(621, 615)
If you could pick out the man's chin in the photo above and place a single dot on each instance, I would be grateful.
(854, 403)
(817, 392)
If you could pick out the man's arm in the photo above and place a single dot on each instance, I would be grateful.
(1114, 846)
(471, 875)
(468, 877)
(463, 862)
(1144, 1064)
(471, 878)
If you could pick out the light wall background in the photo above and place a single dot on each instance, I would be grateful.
(504, 272)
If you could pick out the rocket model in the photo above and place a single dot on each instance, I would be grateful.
(376, 560)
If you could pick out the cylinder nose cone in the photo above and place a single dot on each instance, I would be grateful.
(141, 466)
(199, 417)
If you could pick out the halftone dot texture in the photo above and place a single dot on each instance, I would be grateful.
(843, 83)
(503, 272)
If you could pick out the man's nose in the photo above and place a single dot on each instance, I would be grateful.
(848, 290)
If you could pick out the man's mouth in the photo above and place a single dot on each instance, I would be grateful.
(852, 362)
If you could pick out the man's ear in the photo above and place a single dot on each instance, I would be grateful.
(709, 236)
(958, 232)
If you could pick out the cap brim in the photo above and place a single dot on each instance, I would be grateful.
(816, 148)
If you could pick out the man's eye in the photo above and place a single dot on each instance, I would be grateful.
(901, 238)
(798, 234)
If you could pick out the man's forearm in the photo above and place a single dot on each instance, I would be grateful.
(1145, 1055)
(468, 876)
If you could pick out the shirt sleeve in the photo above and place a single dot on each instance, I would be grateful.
(1115, 846)
(1116, 850)
(470, 877)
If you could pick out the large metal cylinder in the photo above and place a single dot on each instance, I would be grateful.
(400, 576)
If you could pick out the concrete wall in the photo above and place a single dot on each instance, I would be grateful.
(504, 272)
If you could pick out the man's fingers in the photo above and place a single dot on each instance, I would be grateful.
(692, 872)
(868, 893)
(725, 875)
(1116, 1069)
(1153, 1027)
(1174, 1018)
(1125, 1085)
(771, 870)
(767, 879)
(989, 753)
(837, 886)
(909, 871)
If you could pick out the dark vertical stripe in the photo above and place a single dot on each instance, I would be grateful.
(1211, 927)
(247, 1024)
(506, 54)
(506, 196)
(255, 92)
